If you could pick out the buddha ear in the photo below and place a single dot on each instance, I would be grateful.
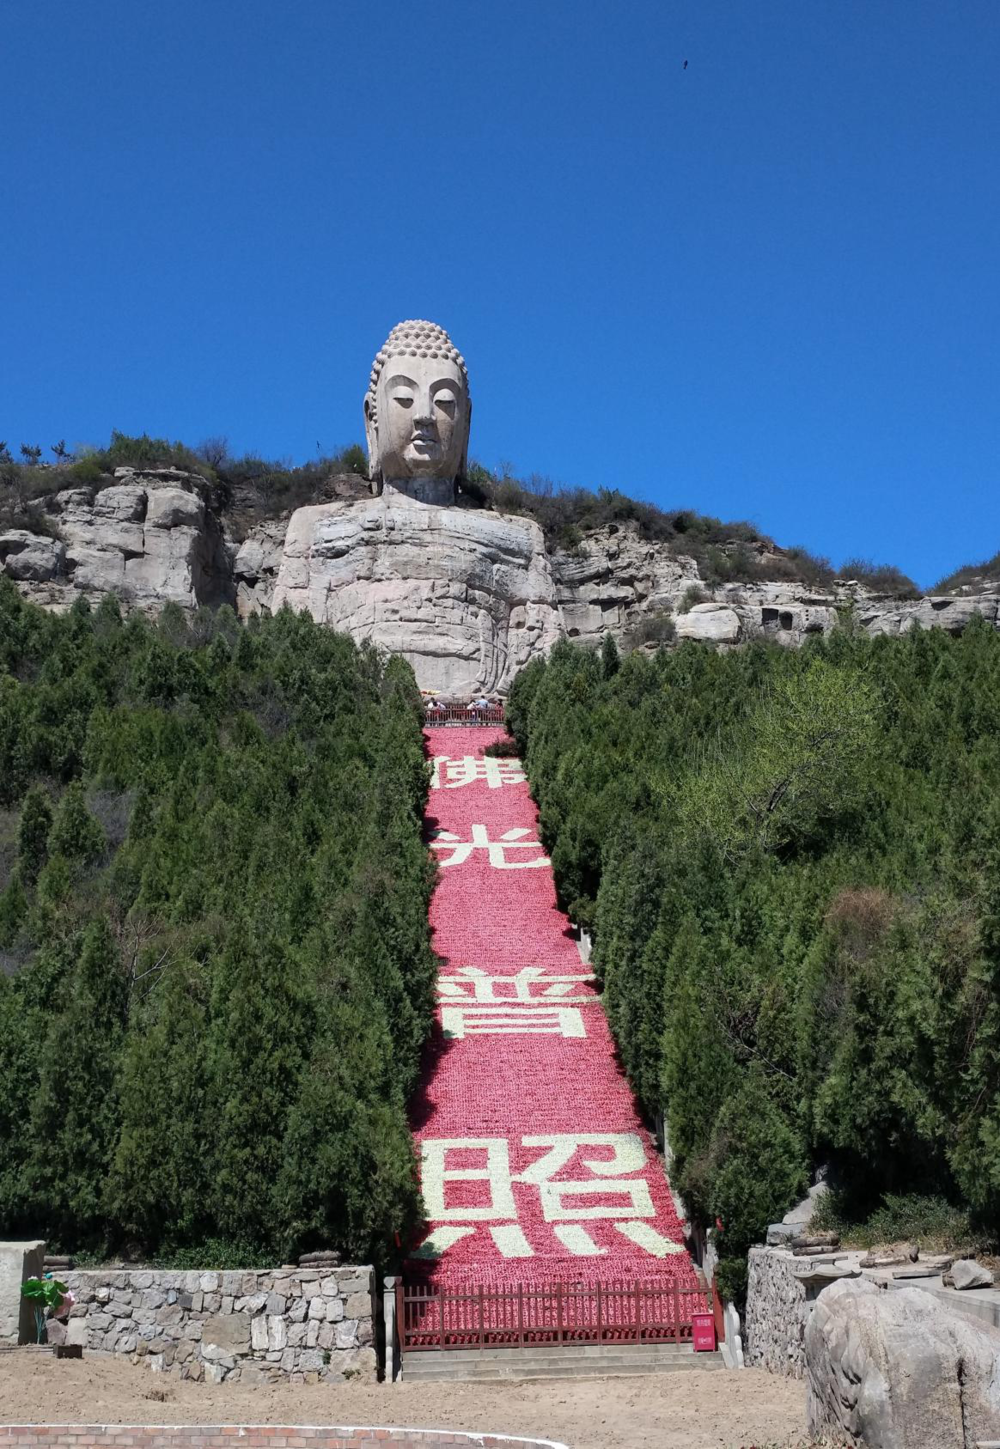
(463, 465)
(371, 438)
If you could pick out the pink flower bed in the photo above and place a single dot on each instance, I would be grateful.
(536, 1167)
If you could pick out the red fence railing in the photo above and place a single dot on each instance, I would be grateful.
(491, 714)
(476, 1316)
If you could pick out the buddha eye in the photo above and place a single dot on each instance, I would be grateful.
(403, 400)
(446, 404)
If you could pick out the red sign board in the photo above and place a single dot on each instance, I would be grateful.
(703, 1331)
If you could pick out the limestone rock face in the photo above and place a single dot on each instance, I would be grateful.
(711, 623)
(949, 612)
(466, 596)
(256, 565)
(898, 1368)
(615, 580)
(786, 613)
(147, 538)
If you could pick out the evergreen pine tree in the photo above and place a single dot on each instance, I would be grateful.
(75, 834)
(33, 833)
(348, 1176)
(260, 1029)
(13, 910)
(74, 1113)
(158, 1186)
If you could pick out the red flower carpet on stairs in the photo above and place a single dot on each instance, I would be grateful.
(535, 1166)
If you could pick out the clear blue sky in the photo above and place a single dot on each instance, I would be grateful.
(766, 286)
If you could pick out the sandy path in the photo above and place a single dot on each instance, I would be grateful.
(661, 1411)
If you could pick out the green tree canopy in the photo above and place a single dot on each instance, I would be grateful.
(219, 976)
(789, 863)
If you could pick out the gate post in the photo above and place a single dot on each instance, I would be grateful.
(393, 1347)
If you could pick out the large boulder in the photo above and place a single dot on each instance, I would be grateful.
(710, 623)
(30, 558)
(18, 1262)
(898, 1370)
(967, 1273)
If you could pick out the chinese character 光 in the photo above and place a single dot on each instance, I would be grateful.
(461, 850)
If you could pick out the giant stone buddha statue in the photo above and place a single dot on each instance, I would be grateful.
(465, 594)
(417, 414)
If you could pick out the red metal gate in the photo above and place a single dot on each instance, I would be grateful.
(460, 714)
(476, 1316)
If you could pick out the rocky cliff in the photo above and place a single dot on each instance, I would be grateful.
(148, 537)
(467, 595)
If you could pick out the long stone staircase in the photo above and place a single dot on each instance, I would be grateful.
(553, 1247)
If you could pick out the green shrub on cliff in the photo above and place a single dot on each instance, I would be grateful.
(215, 929)
(789, 860)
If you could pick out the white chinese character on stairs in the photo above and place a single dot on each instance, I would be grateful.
(532, 1002)
(563, 1200)
(449, 774)
(461, 850)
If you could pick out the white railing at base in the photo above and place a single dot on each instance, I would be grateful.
(732, 1344)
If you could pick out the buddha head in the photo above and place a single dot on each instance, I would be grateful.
(417, 413)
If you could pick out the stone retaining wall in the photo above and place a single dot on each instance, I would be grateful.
(253, 1326)
(247, 1436)
(782, 1292)
(778, 1304)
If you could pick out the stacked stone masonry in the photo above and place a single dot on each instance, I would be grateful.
(248, 1436)
(778, 1307)
(257, 1326)
(784, 1291)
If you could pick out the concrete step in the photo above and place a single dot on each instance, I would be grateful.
(472, 1366)
(705, 1363)
(439, 1361)
(564, 1356)
(573, 1351)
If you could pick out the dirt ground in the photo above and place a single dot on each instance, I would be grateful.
(718, 1410)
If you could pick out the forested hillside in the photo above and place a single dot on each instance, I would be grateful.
(213, 929)
(791, 864)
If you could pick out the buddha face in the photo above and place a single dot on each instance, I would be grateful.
(422, 419)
